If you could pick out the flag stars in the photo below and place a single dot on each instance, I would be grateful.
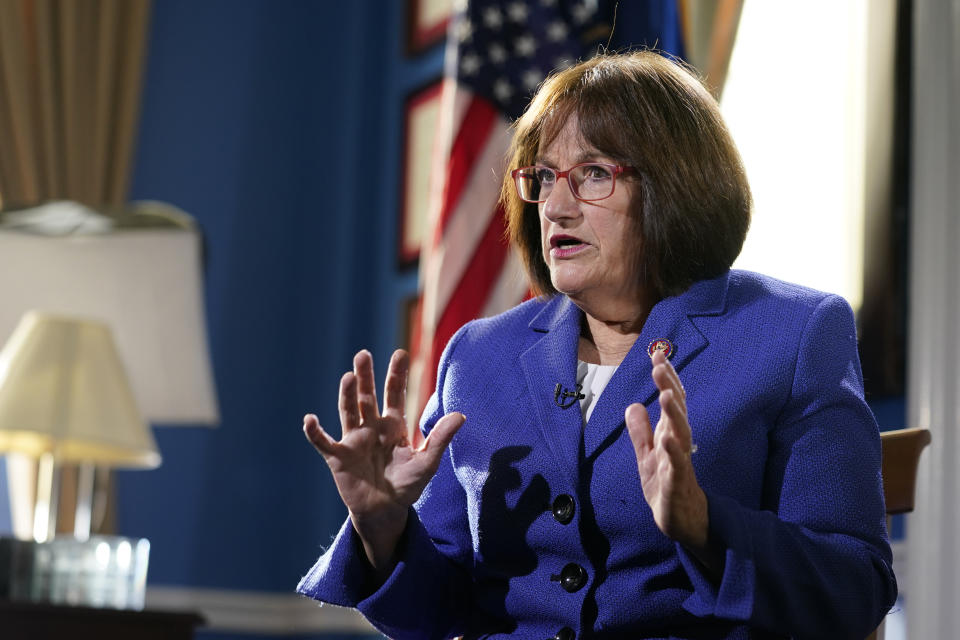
(557, 31)
(502, 90)
(497, 53)
(582, 12)
(470, 64)
(525, 46)
(492, 18)
(518, 12)
(464, 30)
(531, 78)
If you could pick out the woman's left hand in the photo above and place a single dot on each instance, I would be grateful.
(663, 457)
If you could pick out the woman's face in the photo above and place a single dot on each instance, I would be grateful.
(588, 246)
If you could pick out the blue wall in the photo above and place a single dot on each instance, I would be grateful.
(277, 126)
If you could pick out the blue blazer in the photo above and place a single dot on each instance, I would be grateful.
(535, 523)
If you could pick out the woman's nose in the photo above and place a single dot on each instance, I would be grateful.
(561, 203)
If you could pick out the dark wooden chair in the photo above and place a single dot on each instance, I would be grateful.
(901, 455)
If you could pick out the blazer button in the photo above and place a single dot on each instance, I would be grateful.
(563, 508)
(565, 634)
(573, 577)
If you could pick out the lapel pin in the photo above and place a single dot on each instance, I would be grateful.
(661, 345)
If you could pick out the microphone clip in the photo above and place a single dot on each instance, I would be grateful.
(566, 399)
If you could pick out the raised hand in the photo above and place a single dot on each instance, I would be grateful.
(378, 470)
(663, 458)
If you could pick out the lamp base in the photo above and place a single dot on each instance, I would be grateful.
(103, 571)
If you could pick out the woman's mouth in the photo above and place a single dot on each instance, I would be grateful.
(564, 246)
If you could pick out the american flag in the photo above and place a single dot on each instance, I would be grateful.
(498, 52)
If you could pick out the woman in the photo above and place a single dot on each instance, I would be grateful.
(752, 509)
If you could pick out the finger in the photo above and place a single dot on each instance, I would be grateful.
(663, 380)
(675, 380)
(395, 387)
(665, 377)
(443, 432)
(347, 405)
(671, 408)
(319, 438)
(639, 429)
(431, 450)
(366, 388)
(677, 451)
(676, 426)
(659, 359)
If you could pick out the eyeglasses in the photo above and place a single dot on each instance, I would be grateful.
(589, 181)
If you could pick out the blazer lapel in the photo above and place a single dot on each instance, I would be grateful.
(551, 360)
(672, 319)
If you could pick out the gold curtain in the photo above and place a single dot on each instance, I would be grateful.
(709, 32)
(70, 79)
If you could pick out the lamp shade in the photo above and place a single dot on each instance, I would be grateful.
(140, 273)
(63, 390)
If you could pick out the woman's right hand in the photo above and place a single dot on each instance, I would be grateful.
(379, 471)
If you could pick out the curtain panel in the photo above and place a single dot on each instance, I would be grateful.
(70, 80)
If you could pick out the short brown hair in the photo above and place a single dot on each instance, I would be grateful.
(692, 206)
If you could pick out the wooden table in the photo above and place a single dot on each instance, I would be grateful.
(34, 621)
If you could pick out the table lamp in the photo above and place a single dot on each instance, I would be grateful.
(65, 397)
(138, 268)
